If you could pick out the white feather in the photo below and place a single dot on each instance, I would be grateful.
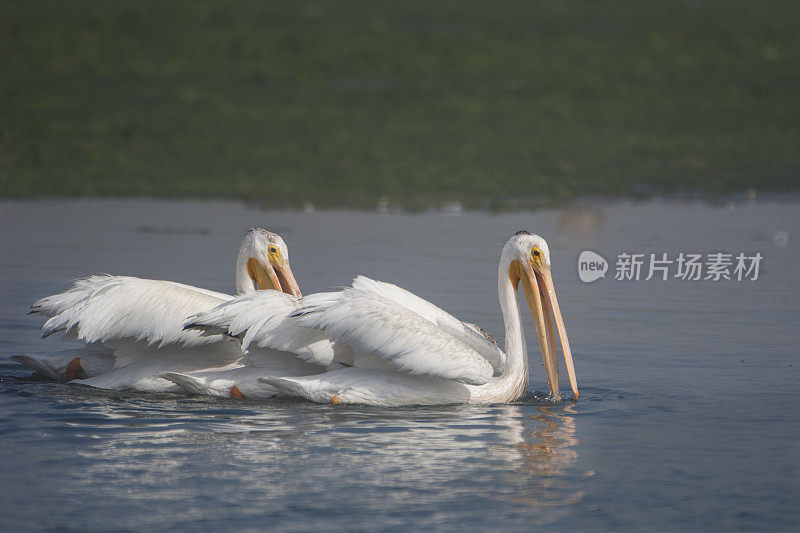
(95, 360)
(373, 324)
(245, 377)
(371, 387)
(102, 308)
(265, 317)
(367, 326)
(139, 366)
(462, 331)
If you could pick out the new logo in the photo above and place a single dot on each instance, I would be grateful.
(591, 266)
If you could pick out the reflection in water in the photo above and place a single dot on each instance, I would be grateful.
(550, 449)
(174, 451)
(542, 447)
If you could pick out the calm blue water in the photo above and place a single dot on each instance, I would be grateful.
(688, 417)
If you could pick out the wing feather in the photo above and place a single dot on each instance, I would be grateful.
(102, 308)
(371, 323)
(462, 331)
(372, 317)
(264, 318)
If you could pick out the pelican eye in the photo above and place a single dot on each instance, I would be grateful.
(272, 249)
(536, 253)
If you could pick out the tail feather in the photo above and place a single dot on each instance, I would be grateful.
(93, 361)
(45, 367)
(223, 384)
(190, 384)
(286, 386)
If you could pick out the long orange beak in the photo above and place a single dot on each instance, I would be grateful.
(277, 277)
(543, 304)
(286, 279)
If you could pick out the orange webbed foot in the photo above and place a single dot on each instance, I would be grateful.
(74, 370)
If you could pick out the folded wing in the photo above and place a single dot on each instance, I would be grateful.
(373, 324)
(469, 334)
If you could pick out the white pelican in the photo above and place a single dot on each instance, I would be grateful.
(132, 326)
(394, 348)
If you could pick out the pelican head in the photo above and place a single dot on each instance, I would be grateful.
(263, 263)
(528, 259)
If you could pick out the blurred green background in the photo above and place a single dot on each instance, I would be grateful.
(349, 103)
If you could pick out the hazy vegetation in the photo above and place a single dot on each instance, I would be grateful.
(345, 103)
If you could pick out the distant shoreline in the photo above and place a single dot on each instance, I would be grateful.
(356, 105)
(455, 207)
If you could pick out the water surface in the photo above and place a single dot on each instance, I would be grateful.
(688, 415)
